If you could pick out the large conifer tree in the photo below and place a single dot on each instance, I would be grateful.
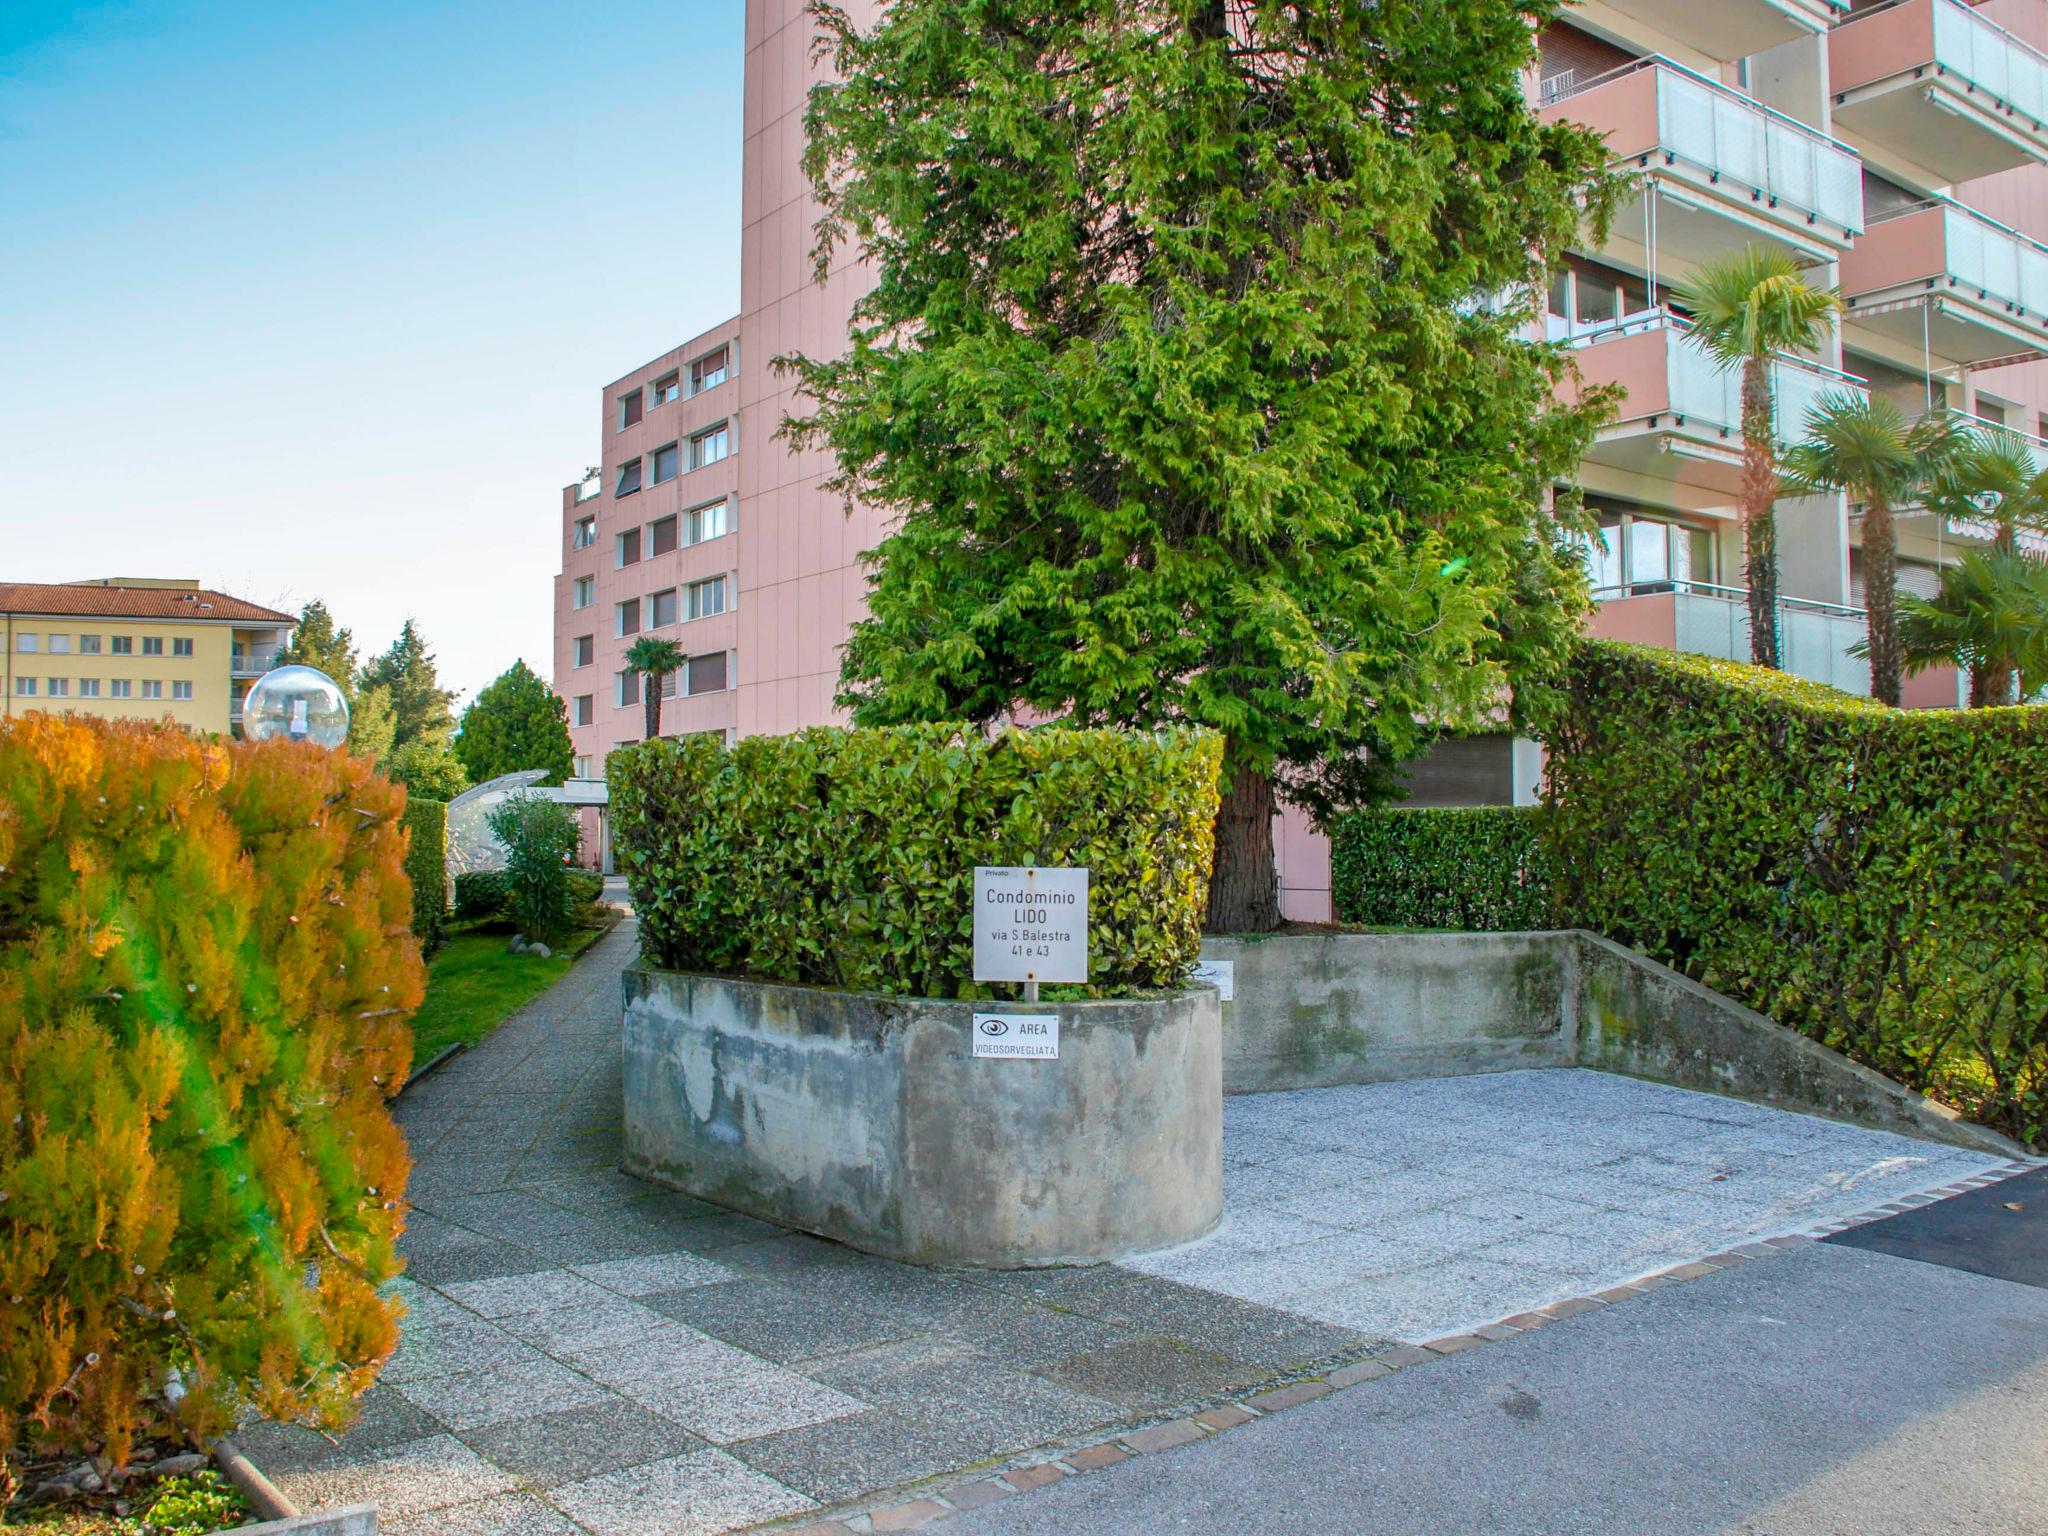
(1194, 375)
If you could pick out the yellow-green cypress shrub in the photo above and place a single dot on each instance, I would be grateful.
(206, 972)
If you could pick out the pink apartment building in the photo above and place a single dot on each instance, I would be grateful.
(1900, 149)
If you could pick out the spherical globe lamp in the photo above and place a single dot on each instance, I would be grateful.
(297, 703)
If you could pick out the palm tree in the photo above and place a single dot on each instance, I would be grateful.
(653, 659)
(1992, 479)
(1745, 308)
(1863, 444)
(1991, 617)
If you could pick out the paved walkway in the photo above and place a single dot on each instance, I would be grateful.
(1823, 1392)
(585, 1353)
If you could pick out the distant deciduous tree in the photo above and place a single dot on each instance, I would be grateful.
(517, 722)
(426, 766)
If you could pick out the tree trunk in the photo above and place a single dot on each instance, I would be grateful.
(1759, 510)
(1881, 601)
(1244, 889)
(651, 681)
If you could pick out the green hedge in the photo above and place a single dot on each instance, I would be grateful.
(1877, 878)
(846, 857)
(1480, 870)
(426, 865)
(481, 893)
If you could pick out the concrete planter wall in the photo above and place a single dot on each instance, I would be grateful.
(1311, 1010)
(868, 1119)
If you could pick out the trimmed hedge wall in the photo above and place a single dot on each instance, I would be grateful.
(426, 865)
(488, 892)
(1877, 878)
(206, 969)
(1478, 870)
(846, 858)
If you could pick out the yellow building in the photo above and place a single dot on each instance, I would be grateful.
(135, 648)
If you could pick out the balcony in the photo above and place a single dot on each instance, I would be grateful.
(1681, 421)
(1719, 170)
(1813, 638)
(1941, 280)
(1733, 29)
(253, 661)
(1934, 84)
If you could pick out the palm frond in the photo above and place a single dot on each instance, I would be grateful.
(1755, 302)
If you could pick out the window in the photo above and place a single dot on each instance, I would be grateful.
(1992, 411)
(707, 522)
(710, 446)
(629, 478)
(709, 370)
(1587, 296)
(707, 673)
(707, 597)
(668, 387)
(152, 690)
(626, 548)
(586, 708)
(152, 645)
(181, 647)
(60, 645)
(665, 463)
(661, 609)
(586, 650)
(121, 688)
(629, 688)
(586, 533)
(582, 769)
(25, 687)
(28, 642)
(181, 690)
(627, 615)
(661, 536)
(88, 645)
(60, 687)
(629, 409)
(123, 645)
(583, 592)
(88, 687)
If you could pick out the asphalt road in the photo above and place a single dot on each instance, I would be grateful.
(1831, 1391)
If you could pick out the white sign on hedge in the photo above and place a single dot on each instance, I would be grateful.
(1030, 924)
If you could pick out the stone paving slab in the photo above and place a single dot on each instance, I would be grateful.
(586, 1353)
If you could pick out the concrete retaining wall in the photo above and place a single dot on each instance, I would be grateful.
(869, 1120)
(1310, 1010)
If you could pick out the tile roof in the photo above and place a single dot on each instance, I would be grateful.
(132, 603)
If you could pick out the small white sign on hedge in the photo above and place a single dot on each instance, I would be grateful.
(1030, 924)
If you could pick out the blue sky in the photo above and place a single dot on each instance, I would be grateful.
(316, 300)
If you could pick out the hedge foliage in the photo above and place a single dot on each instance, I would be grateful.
(426, 865)
(483, 893)
(205, 980)
(1478, 870)
(846, 858)
(1877, 878)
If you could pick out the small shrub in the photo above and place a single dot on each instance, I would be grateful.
(1877, 878)
(1480, 870)
(207, 970)
(846, 858)
(586, 887)
(539, 836)
(426, 865)
(482, 893)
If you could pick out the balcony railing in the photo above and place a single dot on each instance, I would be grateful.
(252, 662)
(1707, 395)
(1938, 83)
(1655, 111)
(1707, 620)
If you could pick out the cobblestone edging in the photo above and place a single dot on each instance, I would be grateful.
(943, 1499)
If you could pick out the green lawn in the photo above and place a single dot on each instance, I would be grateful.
(473, 985)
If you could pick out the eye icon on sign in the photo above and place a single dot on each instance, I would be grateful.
(994, 1027)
